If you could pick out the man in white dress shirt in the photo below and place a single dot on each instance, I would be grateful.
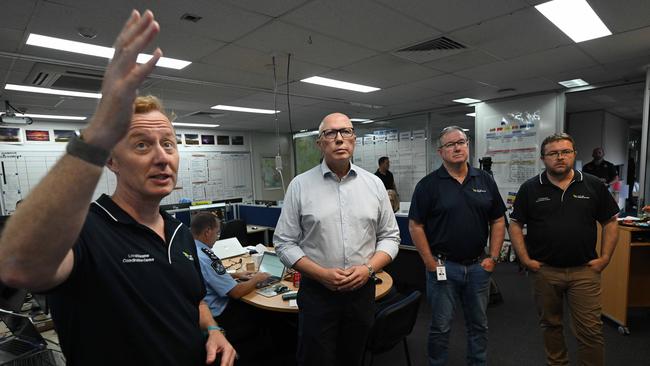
(337, 228)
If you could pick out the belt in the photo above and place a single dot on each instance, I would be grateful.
(464, 262)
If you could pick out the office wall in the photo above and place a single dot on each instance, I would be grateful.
(599, 128)
(265, 145)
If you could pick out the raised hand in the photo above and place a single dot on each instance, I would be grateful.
(122, 78)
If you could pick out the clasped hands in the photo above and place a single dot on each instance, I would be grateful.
(349, 279)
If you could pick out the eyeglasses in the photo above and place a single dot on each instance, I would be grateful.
(330, 134)
(452, 145)
(557, 154)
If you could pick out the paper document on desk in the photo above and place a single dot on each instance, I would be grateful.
(293, 303)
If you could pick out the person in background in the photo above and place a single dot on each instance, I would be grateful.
(337, 228)
(560, 208)
(454, 211)
(601, 168)
(238, 319)
(120, 260)
(384, 174)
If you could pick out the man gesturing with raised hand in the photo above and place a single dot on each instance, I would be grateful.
(123, 276)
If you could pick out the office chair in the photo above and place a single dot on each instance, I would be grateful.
(393, 323)
(235, 228)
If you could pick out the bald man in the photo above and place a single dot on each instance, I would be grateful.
(337, 228)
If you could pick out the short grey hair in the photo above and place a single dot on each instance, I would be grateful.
(450, 129)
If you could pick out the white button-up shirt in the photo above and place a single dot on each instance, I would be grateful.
(335, 222)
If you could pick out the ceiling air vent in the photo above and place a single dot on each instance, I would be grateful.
(67, 78)
(431, 50)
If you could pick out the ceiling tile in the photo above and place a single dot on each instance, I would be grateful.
(273, 8)
(448, 15)
(304, 45)
(382, 71)
(620, 16)
(514, 34)
(360, 22)
(617, 47)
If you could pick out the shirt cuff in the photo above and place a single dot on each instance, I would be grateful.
(389, 247)
(290, 255)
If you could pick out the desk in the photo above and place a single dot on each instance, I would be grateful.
(251, 230)
(276, 303)
(626, 280)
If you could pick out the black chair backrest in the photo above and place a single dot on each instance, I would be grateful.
(394, 322)
(235, 228)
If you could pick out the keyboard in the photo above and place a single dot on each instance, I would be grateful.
(16, 347)
(269, 281)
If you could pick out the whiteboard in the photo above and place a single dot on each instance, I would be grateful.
(204, 175)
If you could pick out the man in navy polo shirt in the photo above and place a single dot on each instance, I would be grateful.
(453, 212)
(560, 208)
(124, 277)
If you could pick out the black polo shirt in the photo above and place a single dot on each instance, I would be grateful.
(131, 298)
(387, 179)
(561, 225)
(605, 170)
(456, 216)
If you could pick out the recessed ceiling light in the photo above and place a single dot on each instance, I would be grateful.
(339, 84)
(99, 51)
(465, 129)
(573, 83)
(243, 109)
(182, 124)
(473, 114)
(466, 100)
(51, 116)
(35, 89)
(575, 18)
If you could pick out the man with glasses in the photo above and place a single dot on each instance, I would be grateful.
(240, 320)
(560, 208)
(453, 212)
(337, 228)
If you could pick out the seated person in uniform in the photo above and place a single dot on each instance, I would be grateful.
(222, 286)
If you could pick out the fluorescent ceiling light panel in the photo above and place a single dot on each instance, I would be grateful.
(243, 109)
(575, 18)
(35, 89)
(367, 121)
(182, 124)
(466, 100)
(359, 119)
(99, 51)
(339, 84)
(51, 116)
(573, 83)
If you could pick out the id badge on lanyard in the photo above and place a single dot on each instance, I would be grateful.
(441, 273)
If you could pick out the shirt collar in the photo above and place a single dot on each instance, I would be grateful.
(106, 205)
(443, 173)
(325, 170)
(543, 177)
(199, 244)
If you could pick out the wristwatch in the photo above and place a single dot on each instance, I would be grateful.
(92, 154)
(371, 271)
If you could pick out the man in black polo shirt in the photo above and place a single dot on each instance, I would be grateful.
(560, 208)
(600, 167)
(453, 211)
(124, 277)
(384, 174)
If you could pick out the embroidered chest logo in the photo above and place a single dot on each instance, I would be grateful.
(188, 256)
(478, 190)
(542, 199)
(137, 258)
(581, 197)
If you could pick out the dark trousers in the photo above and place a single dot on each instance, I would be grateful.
(333, 327)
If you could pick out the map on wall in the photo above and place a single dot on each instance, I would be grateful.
(307, 153)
